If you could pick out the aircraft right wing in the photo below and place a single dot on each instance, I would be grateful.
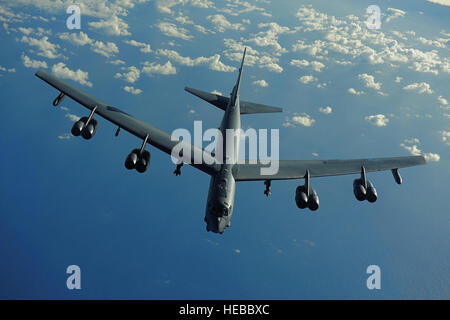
(296, 169)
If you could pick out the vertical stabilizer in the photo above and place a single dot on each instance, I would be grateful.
(235, 92)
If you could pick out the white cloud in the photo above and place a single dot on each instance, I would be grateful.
(434, 43)
(253, 57)
(165, 6)
(108, 50)
(269, 37)
(64, 136)
(60, 70)
(442, 100)
(261, 83)
(112, 26)
(379, 120)
(144, 47)
(411, 145)
(79, 39)
(205, 4)
(315, 65)
(432, 157)
(398, 79)
(299, 63)
(349, 37)
(307, 79)
(35, 64)
(117, 62)
(369, 81)
(354, 92)
(45, 47)
(93, 8)
(132, 90)
(326, 110)
(153, 68)
(26, 31)
(221, 23)
(396, 13)
(441, 2)
(72, 117)
(171, 30)
(304, 119)
(131, 76)
(420, 88)
(212, 62)
(446, 137)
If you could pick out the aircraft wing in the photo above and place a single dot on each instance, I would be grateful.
(156, 137)
(296, 169)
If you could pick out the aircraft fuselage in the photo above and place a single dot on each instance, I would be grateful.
(222, 187)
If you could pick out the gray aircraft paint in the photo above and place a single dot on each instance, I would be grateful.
(222, 187)
(219, 207)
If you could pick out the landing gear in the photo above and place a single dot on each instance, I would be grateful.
(267, 192)
(177, 171)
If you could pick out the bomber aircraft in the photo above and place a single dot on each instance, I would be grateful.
(224, 175)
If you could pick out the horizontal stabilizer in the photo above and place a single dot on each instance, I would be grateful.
(221, 102)
(217, 100)
(250, 107)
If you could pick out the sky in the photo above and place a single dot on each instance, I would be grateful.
(347, 92)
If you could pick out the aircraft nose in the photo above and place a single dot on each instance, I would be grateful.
(217, 224)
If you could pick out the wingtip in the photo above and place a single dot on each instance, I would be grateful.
(422, 160)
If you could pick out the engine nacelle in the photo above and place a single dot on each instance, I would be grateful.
(362, 193)
(313, 200)
(359, 190)
(372, 195)
(131, 160)
(143, 162)
(90, 129)
(301, 199)
(78, 126)
(138, 161)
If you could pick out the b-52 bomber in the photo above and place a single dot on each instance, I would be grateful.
(222, 187)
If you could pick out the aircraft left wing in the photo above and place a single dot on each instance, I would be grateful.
(156, 137)
(296, 169)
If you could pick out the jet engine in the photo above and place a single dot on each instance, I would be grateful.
(131, 160)
(138, 160)
(372, 195)
(89, 129)
(359, 190)
(362, 193)
(86, 126)
(301, 199)
(313, 200)
(306, 196)
(78, 126)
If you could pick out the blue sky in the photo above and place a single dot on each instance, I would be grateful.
(68, 201)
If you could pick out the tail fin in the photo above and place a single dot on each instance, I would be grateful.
(238, 82)
(221, 102)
